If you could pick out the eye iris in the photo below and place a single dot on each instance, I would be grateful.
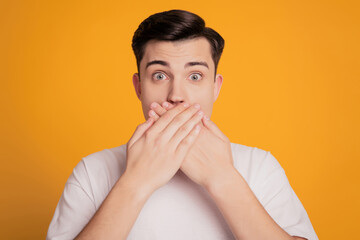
(195, 77)
(159, 76)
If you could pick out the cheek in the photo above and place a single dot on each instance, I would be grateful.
(151, 93)
(155, 93)
(205, 99)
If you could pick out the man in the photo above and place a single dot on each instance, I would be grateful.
(179, 176)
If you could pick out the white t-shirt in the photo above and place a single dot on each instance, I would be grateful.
(180, 209)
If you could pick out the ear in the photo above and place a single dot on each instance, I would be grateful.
(137, 85)
(217, 85)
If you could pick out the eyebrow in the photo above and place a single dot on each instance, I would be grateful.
(166, 64)
(189, 64)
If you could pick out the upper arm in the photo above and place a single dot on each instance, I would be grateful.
(299, 238)
(281, 202)
(75, 207)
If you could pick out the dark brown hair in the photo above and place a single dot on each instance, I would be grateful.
(175, 25)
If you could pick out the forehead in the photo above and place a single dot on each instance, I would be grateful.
(178, 52)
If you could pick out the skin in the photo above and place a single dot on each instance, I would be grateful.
(176, 81)
(177, 85)
(154, 154)
(209, 161)
(229, 186)
(180, 136)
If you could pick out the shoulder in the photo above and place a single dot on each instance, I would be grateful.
(106, 159)
(253, 163)
(269, 183)
(100, 170)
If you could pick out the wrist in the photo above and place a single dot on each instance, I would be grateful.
(137, 188)
(222, 180)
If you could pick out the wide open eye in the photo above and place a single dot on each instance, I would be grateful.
(159, 76)
(195, 77)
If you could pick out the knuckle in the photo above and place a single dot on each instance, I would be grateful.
(186, 141)
(178, 120)
(148, 134)
(184, 129)
(161, 110)
(167, 116)
(157, 142)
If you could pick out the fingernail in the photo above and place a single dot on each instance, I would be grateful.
(206, 118)
(152, 113)
(197, 106)
(165, 105)
(153, 105)
(186, 104)
(200, 113)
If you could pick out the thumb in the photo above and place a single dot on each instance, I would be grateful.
(139, 131)
(214, 129)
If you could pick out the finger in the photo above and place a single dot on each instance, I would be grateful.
(153, 115)
(180, 122)
(187, 142)
(167, 105)
(184, 130)
(164, 121)
(213, 128)
(159, 110)
(139, 131)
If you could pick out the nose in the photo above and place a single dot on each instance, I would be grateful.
(176, 92)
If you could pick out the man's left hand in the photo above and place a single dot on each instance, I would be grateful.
(210, 160)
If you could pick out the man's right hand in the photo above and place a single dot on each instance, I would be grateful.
(156, 149)
(154, 154)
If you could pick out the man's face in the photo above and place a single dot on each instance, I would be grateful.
(177, 72)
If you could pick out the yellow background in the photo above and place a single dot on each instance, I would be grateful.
(291, 86)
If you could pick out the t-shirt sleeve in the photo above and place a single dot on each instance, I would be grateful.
(283, 205)
(75, 207)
